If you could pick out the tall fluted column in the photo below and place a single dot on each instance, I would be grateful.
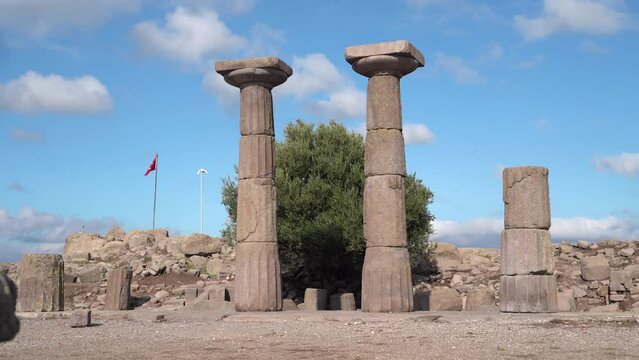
(257, 271)
(527, 262)
(386, 276)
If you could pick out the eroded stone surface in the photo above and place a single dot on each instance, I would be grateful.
(526, 251)
(397, 48)
(444, 299)
(256, 111)
(257, 277)
(384, 211)
(526, 198)
(383, 103)
(315, 299)
(386, 280)
(80, 318)
(256, 211)
(118, 289)
(271, 62)
(480, 299)
(41, 283)
(384, 153)
(345, 302)
(528, 293)
(256, 157)
(595, 268)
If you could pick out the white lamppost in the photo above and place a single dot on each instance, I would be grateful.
(201, 172)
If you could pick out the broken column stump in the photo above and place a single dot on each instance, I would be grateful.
(386, 277)
(118, 289)
(257, 278)
(527, 263)
(41, 283)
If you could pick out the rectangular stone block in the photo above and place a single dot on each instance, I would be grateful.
(383, 103)
(80, 318)
(400, 47)
(384, 153)
(528, 294)
(386, 280)
(384, 211)
(256, 210)
(526, 198)
(226, 66)
(118, 289)
(256, 157)
(526, 251)
(258, 284)
(256, 111)
(344, 302)
(41, 283)
(190, 294)
(315, 299)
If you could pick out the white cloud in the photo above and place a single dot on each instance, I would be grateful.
(312, 73)
(483, 232)
(418, 134)
(323, 89)
(626, 164)
(226, 95)
(579, 228)
(596, 17)
(472, 9)
(22, 135)
(492, 52)
(265, 40)
(188, 35)
(43, 17)
(530, 63)
(34, 231)
(592, 47)
(36, 93)
(486, 232)
(541, 124)
(344, 103)
(461, 71)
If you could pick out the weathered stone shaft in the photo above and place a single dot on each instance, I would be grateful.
(118, 289)
(386, 276)
(41, 283)
(527, 263)
(257, 277)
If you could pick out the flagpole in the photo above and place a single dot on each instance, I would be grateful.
(201, 212)
(155, 188)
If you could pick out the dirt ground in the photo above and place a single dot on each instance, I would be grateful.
(189, 334)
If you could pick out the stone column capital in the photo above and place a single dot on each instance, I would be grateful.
(397, 58)
(268, 72)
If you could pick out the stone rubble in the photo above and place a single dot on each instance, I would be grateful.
(473, 274)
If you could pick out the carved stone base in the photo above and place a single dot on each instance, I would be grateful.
(258, 284)
(386, 280)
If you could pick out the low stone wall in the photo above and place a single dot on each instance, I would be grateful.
(600, 276)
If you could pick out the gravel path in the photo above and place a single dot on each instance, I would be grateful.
(329, 335)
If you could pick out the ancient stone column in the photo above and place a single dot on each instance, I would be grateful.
(118, 289)
(527, 262)
(257, 270)
(41, 283)
(386, 276)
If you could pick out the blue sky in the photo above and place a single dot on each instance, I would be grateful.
(91, 90)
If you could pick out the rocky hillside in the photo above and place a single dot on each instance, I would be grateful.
(164, 267)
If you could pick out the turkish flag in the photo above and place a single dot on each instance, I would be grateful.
(152, 166)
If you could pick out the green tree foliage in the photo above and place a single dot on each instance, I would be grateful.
(320, 181)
